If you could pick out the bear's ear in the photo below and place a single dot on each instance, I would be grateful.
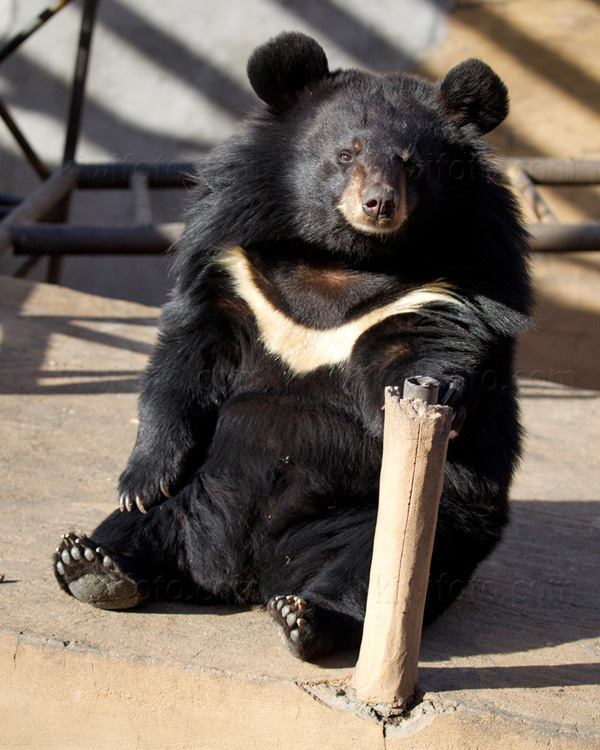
(473, 94)
(280, 69)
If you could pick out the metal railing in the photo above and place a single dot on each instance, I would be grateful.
(37, 226)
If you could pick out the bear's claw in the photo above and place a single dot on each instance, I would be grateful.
(292, 613)
(86, 572)
(129, 500)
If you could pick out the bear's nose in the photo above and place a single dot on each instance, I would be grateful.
(379, 202)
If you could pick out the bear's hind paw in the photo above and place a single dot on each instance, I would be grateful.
(296, 619)
(86, 572)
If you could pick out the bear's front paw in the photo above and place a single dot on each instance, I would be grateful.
(143, 499)
(143, 486)
(451, 396)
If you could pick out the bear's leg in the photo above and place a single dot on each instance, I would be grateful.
(129, 559)
(323, 611)
(463, 539)
(326, 571)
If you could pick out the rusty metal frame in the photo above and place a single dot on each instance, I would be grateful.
(55, 199)
(144, 237)
(37, 226)
(5, 51)
(549, 235)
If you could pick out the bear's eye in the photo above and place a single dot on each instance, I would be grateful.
(345, 156)
(412, 169)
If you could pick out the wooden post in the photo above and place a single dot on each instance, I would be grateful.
(415, 440)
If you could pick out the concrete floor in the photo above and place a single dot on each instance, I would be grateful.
(513, 663)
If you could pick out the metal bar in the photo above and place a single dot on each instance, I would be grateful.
(142, 205)
(31, 27)
(172, 174)
(26, 147)
(10, 200)
(154, 239)
(179, 173)
(27, 266)
(548, 171)
(37, 203)
(54, 270)
(7, 203)
(61, 239)
(422, 387)
(524, 185)
(55, 263)
(79, 79)
(563, 238)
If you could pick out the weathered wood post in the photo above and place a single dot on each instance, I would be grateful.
(416, 433)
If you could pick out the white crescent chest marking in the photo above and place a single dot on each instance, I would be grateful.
(305, 349)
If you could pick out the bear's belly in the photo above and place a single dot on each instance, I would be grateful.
(272, 441)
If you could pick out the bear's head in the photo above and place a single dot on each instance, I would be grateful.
(370, 152)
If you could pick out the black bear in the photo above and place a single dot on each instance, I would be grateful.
(354, 232)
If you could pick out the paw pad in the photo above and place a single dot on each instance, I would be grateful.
(288, 612)
(76, 549)
(86, 572)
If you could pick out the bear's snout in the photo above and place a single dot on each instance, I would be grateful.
(374, 201)
(379, 201)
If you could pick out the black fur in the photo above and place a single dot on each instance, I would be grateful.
(281, 69)
(473, 93)
(273, 475)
